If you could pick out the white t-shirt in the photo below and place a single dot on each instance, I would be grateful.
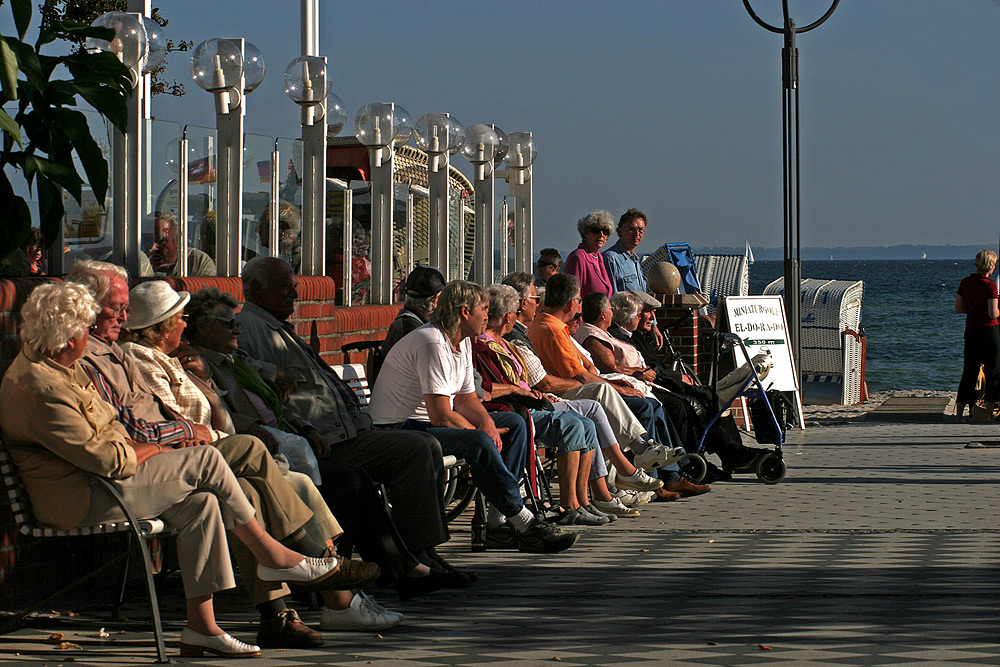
(422, 362)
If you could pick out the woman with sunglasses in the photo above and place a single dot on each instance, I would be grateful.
(586, 262)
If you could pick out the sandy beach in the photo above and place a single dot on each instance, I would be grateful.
(818, 415)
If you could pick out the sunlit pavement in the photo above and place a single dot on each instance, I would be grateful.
(881, 547)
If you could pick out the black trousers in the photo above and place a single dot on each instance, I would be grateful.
(982, 348)
(723, 437)
(368, 527)
(408, 463)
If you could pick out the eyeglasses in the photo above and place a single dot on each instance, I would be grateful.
(535, 297)
(230, 323)
(637, 230)
(117, 311)
(600, 231)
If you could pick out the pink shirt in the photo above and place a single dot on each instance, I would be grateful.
(589, 269)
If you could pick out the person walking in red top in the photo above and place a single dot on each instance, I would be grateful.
(977, 299)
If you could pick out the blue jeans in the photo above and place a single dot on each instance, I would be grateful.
(564, 430)
(650, 412)
(495, 473)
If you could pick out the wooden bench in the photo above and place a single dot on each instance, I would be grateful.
(141, 529)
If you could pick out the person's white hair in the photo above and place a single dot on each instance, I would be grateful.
(96, 276)
(625, 306)
(504, 299)
(600, 219)
(55, 314)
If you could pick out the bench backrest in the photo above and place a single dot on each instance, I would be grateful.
(357, 379)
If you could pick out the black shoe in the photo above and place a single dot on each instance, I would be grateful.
(503, 536)
(432, 559)
(544, 538)
(411, 587)
(716, 474)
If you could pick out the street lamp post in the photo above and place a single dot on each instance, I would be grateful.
(790, 167)
(481, 146)
(521, 154)
(440, 136)
(381, 126)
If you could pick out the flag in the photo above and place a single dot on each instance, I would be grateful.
(202, 171)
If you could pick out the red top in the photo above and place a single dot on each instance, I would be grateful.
(975, 291)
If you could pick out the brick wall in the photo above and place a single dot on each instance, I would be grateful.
(30, 568)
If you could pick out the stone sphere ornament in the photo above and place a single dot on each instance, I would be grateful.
(663, 278)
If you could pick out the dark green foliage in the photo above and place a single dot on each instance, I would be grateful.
(46, 129)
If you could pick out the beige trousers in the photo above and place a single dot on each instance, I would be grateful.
(279, 508)
(626, 427)
(194, 492)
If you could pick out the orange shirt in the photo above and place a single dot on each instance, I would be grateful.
(555, 348)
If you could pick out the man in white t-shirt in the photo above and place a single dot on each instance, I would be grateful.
(426, 384)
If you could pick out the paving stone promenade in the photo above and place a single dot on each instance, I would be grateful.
(882, 547)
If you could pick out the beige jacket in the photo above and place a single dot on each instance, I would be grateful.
(70, 434)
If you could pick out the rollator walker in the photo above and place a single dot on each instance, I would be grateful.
(746, 381)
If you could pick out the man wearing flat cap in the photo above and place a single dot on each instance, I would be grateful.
(421, 294)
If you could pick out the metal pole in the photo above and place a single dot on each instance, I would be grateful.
(792, 226)
(347, 264)
(274, 211)
(522, 221)
(182, 204)
(382, 210)
(410, 212)
(229, 206)
(310, 27)
(485, 192)
(314, 191)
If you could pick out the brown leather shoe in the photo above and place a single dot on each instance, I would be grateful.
(686, 488)
(286, 630)
(664, 496)
(349, 574)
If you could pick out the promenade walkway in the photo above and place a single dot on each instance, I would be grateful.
(882, 547)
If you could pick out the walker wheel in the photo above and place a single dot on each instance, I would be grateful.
(771, 468)
(695, 467)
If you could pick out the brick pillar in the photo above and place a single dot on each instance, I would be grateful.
(684, 335)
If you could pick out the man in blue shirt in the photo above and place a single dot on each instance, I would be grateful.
(620, 259)
(622, 262)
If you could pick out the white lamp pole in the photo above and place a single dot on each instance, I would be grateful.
(381, 126)
(520, 156)
(481, 146)
(440, 136)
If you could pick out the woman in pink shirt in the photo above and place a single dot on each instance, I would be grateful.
(586, 262)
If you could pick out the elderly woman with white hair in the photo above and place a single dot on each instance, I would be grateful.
(61, 432)
(586, 262)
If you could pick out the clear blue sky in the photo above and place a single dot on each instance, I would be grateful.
(673, 106)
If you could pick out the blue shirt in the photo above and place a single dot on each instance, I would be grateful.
(624, 269)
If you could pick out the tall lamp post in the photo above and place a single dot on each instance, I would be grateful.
(482, 143)
(440, 136)
(306, 84)
(790, 166)
(381, 126)
(521, 154)
(132, 46)
(229, 69)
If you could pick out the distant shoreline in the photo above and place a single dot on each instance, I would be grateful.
(813, 253)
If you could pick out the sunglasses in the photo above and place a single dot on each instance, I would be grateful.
(599, 231)
(230, 323)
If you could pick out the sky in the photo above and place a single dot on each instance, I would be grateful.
(671, 106)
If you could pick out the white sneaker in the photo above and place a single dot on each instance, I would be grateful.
(635, 498)
(615, 506)
(656, 456)
(363, 614)
(638, 481)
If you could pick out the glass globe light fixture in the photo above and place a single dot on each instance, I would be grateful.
(502, 146)
(481, 143)
(521, 153)
(381, 124)
(216, 66)
(129, 42)
(156, 45)
(439, 133)
(336, 115)
(253, 67)
(305, 80)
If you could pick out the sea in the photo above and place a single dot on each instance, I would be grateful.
(914, 336)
